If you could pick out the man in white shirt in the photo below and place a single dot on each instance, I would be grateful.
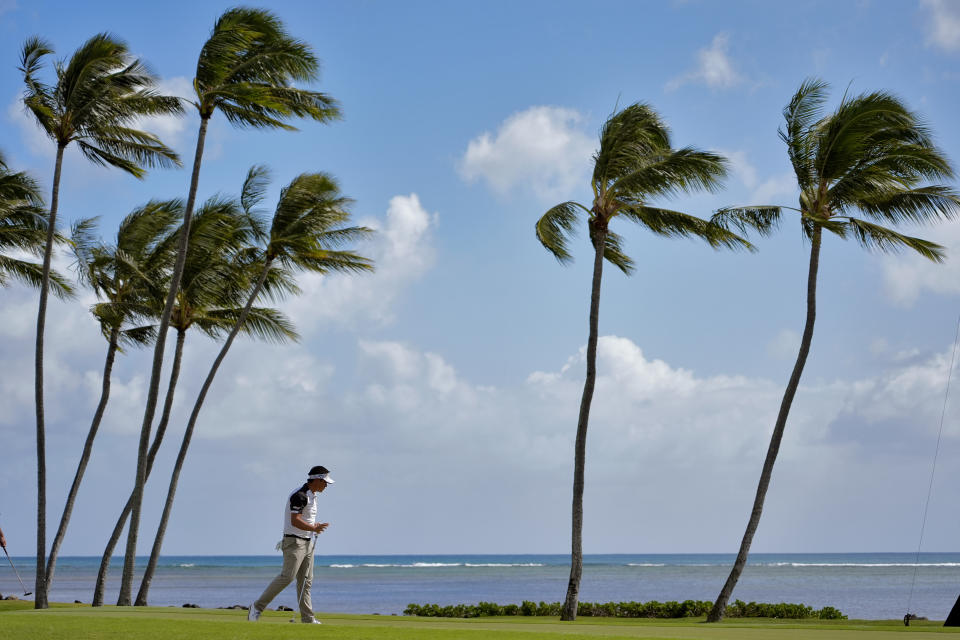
(299, 522)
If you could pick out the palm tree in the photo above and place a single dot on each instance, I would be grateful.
(870, 155)
(23, 229)
(635, 163)
(98, 95)
(210, 298)
(126, 277)
(305, 235)
(246, 71)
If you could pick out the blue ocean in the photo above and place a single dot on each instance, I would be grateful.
(862, 585)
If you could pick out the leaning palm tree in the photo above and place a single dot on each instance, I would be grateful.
(870, 155)
(23, 230)
(306, 234)
(99, 95)
(126, 276)
(634, 164)
(212, 293)
(246, 71)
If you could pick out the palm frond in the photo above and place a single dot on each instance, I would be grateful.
(31, 274)
(809, 221)
(262, 323)
(875, 237)
(764, 219)
(17, 188)
(83, 245)
(24, 228)
(683, 170)
(628, 136)
(613, 253)
(246, 70)
(799, 115)
(138, 336)
(557, 226)
(922, 205)
(675, 224)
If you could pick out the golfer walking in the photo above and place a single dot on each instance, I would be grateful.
(300, 530)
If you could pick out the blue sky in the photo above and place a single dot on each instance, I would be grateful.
(442, 391)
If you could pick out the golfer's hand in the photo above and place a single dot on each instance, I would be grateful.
(320, 526)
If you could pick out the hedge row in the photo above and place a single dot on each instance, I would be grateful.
(652, 609)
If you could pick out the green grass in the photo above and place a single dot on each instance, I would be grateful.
(82, 622)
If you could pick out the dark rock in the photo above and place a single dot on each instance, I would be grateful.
(187, 605)
(283, 608)
(235, 606)
(11, 598)
(77, 602)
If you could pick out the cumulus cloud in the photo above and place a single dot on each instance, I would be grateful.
(542, 149)
(907, 276)
(714, 67)
(943, 21)
(408, 427)
(402, 250)
(784, 345)
(777, 189)
(170, 128)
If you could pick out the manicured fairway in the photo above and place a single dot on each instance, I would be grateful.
(69, 622)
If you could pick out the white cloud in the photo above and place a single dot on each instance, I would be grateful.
(715, 68)
(170, 128)
(409, 411)
(943, 23)
(542, 149)
(778, 189)
(36, 141)
(402, 251)
(784, 345)
(908, 275)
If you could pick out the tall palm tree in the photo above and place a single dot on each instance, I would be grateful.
(634, 164)
(211, 295)
(246, 71)
(126, 276)
(23, 229)
(99, 94)
(305, 235)
(870, 155)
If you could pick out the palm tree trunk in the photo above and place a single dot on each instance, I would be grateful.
(101, 584)
(40, 583)
(569, 611)
(126, 584)
(84, 456)
(187, 436)
(720, 606)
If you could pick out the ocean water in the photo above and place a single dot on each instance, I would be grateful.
(862, 585)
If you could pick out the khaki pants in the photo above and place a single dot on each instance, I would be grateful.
(297, 563)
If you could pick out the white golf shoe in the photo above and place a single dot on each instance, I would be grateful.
(252, 614)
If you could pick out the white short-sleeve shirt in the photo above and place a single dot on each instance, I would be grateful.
(303, 501)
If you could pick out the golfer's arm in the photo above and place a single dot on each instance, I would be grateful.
(297, 520)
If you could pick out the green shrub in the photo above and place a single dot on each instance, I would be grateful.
(651, 609)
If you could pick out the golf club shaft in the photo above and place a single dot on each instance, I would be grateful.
(25, 592)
